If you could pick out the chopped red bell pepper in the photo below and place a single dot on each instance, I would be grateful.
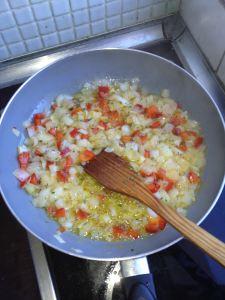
(52, 131)
(143, 138)
(88, 106)
(193, 177)
(48, 163)
(84, 136)
(86, 156)
(155, 224)
(62, 175)
(133, 233)
(37, 152)
(155, 124)
(74, 132)
(176, 131)
(198, 141)
(147, 154)
(60, 213)
(153, 112)
(103, 91)
(103, 125)
(65, 151)
(37, 118)
(177, 120)
(182, 146)
(33, 179)
(118, 231)
(23, 159)
(75, 111)
(153, 187)
(126, 139)
(68, 162)
(81, 214)
(59, 137)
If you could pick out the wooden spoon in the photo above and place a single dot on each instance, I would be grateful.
(115, 173)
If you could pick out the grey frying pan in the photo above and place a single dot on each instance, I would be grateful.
(67, 76)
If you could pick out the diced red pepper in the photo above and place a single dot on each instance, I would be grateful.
(139, 108)
(155, 224)
(33, 179)
(155, 124)
(81, 214)
(118, 231)
(52, 131)
(24, 182)
(68, 162)
(135, 133)
(147, 154)
(59, 137)
(37, 152)
(88, 106)
(60, 213)
(74, 132)
(48, 163)
(183, 146)
(193, 177)
(115, 118)
(37, 118)
(103, 91)
(133, 233)
(103, 125)
(61, 229)
(153, 112)
(95, 130)
(170, 185)
(65, 151)
(198, 141)
(176, 131)
(84, 136)
(177, 120)
(62, 175)
(23, 159)
(143, 138)
(161, 174)
(153, 187)
(86, 156)
(51, 210)
(103, 104)
(75, 111)
(186, 135)
(126, 139)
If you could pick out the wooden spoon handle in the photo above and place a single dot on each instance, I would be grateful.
(201, 238)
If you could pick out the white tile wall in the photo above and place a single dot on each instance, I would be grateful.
(32, 25)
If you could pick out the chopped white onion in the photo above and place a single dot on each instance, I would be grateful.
(15, 131)
(20, 174)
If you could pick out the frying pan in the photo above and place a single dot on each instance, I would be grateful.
(68, 76)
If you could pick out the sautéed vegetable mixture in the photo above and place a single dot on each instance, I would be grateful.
(151, 131)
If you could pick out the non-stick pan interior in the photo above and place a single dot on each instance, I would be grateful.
(67, 76)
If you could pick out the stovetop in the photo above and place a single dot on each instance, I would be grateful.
(177, 273)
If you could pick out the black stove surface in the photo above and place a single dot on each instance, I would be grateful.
(176, 275)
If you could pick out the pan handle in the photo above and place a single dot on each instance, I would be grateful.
(139, 287)
(137, 282)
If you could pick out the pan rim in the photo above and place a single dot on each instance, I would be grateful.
(129, 256)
